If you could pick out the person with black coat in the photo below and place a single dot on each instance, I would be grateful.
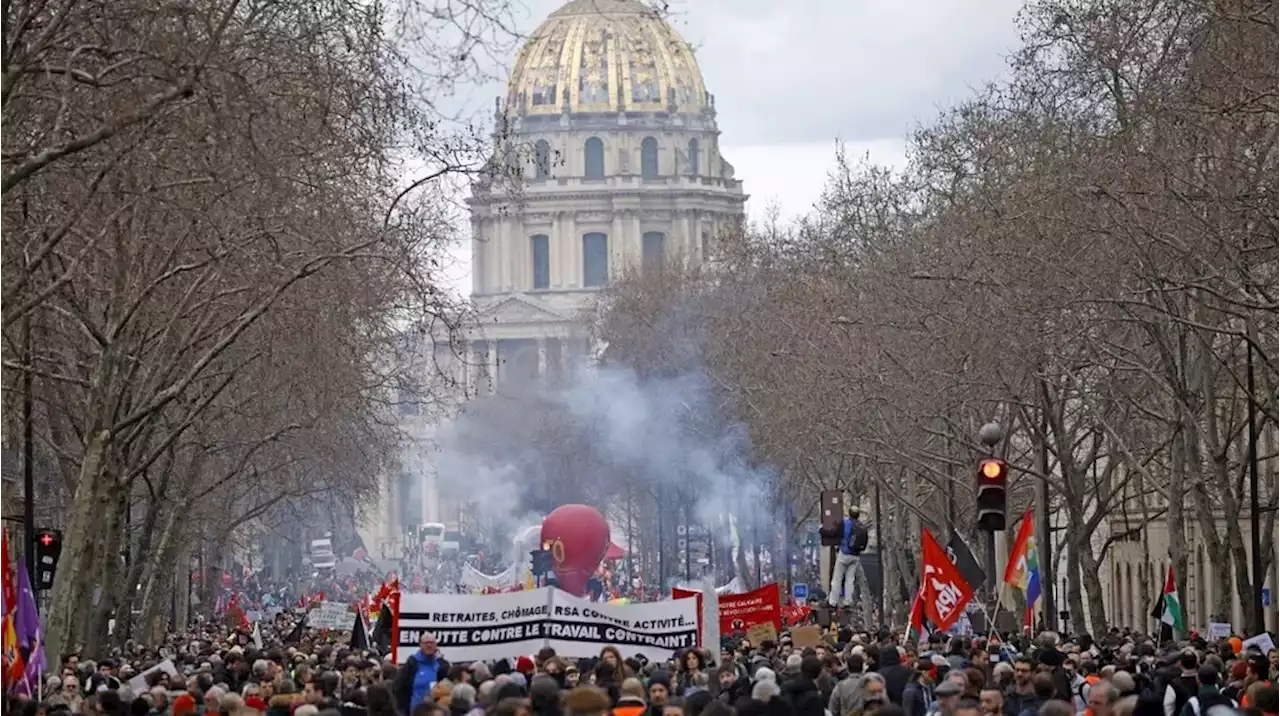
(894, 672)
(801, 692)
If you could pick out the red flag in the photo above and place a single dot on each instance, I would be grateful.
(12, 665)
(394, 600)
(942, 588)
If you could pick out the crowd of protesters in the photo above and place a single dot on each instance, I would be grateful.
(300, 672)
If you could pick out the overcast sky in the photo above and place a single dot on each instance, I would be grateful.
(791, 77)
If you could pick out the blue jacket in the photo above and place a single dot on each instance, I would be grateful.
(846, 537)
(403, 685)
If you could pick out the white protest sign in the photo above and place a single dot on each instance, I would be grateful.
(472, 627)
(493, 626)
(331, 615)
(1219, 630)
(138, 684)
(1262, 641)
(579, 628)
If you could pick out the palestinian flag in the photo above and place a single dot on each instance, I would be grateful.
(1168, 610)
(916, 631)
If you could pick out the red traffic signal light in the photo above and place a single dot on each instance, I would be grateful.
(992, 474)
(993, 469)
(48, 549)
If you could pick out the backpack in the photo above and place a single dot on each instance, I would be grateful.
(1210, 702)
(858, 538)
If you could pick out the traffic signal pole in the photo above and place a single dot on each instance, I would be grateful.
(1045, 544)
(992, 492)
(28, 458)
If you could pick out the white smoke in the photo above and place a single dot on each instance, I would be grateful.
(587, 440)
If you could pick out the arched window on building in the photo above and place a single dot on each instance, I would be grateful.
(541, 251)
(542, 160)
(653, 251)
(695, 159)
(649, 158)
(595, 259)
(593, 159)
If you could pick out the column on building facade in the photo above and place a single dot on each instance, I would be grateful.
(555, 252)
(637, 238)
(618, 249)
(469, 369)
(574, 245)
(477, 256)
(691, 231)
(504, 254)
(678, 240)
(522, 273)
(542, 359)
(493, 366)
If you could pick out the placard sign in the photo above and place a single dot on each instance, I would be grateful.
(331, 615)
(494, 626)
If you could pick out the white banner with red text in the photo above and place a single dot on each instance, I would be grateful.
(471, 627)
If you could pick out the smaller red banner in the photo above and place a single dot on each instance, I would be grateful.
(739, 612)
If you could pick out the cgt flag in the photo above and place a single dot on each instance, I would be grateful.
(944, 591)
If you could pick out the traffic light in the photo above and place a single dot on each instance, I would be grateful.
(541, 562)
(48, 550)
(992, 476)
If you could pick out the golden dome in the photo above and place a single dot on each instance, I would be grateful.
(610, 56)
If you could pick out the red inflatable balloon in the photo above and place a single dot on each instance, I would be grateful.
(578, 537)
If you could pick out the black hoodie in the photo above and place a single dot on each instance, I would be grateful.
(803, 696)
(895, 674)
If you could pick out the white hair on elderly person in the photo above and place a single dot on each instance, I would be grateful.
(764, 673)
(462, 693)
(486, 690)
(230, 702)
(765, 689)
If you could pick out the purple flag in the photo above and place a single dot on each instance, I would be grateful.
(30, 634)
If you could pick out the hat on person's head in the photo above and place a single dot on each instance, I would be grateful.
(660, 677)
(525, 665)
(948, 688)
(184, 704)
(1051, 658)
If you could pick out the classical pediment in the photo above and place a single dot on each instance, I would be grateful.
(519, 309)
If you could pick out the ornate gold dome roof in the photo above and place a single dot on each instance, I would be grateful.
(608, 56)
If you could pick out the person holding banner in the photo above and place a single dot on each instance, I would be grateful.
(420, 672)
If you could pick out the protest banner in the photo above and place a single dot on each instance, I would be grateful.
(139, 682)
(579, 628)
(330, 615)
(471, 627)
(740, 612)
(1219, 630)
(493, 626)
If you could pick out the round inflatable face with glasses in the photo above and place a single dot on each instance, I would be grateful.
(739, 625)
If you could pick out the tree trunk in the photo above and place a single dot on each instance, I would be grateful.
(1075, 602)
(182, 587)
(157, 580)
(1093, 590)
(107, 572)
(72, 591)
